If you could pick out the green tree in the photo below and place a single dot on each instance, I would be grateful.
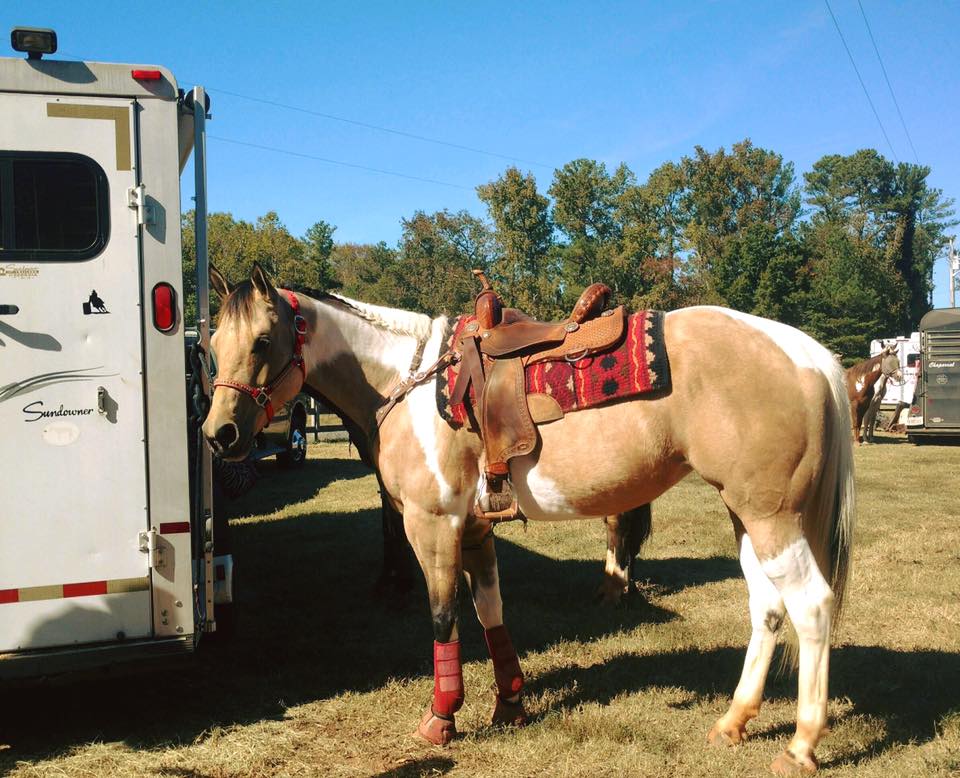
(524, 236)
(741, 206)
(364, 271)
(437, 253)
(849, 302)
(651, 269)
(891, 220)
(585, 200)
(317, 249)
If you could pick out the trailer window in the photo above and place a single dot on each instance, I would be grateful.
(52, 207)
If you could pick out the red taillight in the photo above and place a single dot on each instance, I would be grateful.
(146, 75)
(164, 307)
(914, 410)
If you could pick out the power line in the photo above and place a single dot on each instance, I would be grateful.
(378, 128)
(358, 123)
(885, 78)
(329, 161)
(860, 79)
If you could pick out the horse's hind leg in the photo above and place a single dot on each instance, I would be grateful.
(436, 542)
(766, 616)
(480, 568)
(809, 602)
(626, 533)
(396, 574)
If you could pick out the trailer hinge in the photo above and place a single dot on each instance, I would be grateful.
(137, 198)
(150, 547)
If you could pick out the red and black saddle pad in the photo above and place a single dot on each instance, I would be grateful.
(638, 364)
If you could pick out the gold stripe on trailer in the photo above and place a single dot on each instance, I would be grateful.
(119, 116)
(33, 593)
(64, 591)
(124, 585)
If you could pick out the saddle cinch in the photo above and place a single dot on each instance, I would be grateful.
(494, 350)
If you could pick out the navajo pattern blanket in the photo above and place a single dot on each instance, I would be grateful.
(637, 365)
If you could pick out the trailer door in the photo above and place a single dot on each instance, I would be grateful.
(73, 489)
(941, 401)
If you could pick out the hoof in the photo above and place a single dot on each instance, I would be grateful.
(788, 764)
(435, 729)
(610, 594)
(722, 735)
(508, 713)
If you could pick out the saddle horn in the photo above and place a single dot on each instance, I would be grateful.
(488, 305)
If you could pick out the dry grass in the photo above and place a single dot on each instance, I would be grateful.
(324, 680)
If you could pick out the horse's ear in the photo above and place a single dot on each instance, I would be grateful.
(219, 283)
(261, 281)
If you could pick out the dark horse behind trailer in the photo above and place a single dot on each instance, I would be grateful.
(937, 398)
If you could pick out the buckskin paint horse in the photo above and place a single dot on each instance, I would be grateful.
(773, 439)
(866, 385)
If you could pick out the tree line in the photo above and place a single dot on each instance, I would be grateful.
(847, 255)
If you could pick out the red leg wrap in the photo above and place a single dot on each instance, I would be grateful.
(506, 665)
(447, 678)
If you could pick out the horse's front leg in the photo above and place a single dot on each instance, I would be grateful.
(480, 568)
(436, 540)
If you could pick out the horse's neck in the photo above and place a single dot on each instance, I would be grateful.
(872, 370)
(356, 362)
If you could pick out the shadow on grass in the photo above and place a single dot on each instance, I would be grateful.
(308, 629)
(277, 487)
(432, 765)
(909, 691)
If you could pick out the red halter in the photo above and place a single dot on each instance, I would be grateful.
(262, 394)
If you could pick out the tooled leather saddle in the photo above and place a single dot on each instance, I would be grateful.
(493, 350)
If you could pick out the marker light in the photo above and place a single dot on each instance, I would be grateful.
(34, 41)
(146, 75)
(164, 307)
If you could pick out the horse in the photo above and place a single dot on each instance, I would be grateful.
(866, 385)
(771, 437)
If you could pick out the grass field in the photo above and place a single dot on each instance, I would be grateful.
(322, 679)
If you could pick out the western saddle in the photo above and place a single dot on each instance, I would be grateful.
(494, 350)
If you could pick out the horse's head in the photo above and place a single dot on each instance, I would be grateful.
(259, 366)
(890, 363)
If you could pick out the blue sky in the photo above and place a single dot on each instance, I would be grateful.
(540, 82)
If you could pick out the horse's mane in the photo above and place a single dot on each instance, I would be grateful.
(241, 299)
(392, 320)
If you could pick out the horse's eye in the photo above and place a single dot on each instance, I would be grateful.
(261, 345)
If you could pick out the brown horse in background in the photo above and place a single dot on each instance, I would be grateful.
(771, 438)
(866, 385)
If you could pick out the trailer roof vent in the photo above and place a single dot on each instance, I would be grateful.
(35, 41)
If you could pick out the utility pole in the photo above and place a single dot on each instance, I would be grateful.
(954, 259)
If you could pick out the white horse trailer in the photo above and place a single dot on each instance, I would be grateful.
(106, 528)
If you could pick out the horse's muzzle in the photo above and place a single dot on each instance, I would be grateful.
(226, 443)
